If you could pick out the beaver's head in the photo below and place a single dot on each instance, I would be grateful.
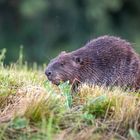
(64, 67)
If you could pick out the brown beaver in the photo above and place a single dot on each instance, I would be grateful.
(107, 60)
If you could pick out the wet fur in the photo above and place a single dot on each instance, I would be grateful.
(106, 60)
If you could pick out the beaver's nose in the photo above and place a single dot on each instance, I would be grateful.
(48, 73)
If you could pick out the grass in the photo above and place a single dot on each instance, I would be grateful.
(32, 108)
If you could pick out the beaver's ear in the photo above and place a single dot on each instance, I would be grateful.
(63, 52)
(78, 60)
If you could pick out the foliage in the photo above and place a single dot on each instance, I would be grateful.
(45, 27)
(135, 135)
(2, 56)
(98, 106)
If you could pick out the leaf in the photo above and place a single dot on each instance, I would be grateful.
(19, 123)
(66, 91)
(134, 134)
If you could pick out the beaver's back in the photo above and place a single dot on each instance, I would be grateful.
(113, 61)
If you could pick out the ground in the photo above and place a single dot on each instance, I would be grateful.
(32, 108)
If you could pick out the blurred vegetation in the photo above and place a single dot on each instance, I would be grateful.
(46, 27)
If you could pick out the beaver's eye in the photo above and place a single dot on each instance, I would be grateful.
(78, 60)
(62, 64)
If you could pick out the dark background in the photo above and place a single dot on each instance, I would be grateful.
(46, 27)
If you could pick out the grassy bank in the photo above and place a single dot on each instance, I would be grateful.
(32, 108)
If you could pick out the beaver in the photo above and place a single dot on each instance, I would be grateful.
(106, 60)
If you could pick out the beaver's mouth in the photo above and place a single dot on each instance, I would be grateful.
(55, 81)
